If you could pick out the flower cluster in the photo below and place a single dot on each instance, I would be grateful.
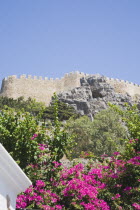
(37, 196)
(42, 146)
(76, 189)
(135, 160)
(34, 136)
(112, 184)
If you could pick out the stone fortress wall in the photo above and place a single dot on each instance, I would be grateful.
(123, 87)
(42, 89)
(39, 88)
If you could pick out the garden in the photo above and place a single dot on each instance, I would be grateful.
(110, 180)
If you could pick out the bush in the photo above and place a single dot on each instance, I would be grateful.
(108, 132)
(17, 133)
(114, 184)
(104, 135)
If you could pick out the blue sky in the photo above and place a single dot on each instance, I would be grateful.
(53, 37)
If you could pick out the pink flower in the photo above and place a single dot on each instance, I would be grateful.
(58, 207)
(116, 196)
(127, 189)
(42, 148)
(131, 141)
(136, 206)
(40, 183)
(56, 164)
(34, 136)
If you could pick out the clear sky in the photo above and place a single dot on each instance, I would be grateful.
(53, 37)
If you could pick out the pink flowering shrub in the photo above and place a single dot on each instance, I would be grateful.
(113, 184)
(81, 188)
(121, 175)
(75, 189)
(110, 184)
(37, 196)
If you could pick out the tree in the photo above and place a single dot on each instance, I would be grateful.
(108, 132)
(104, 135)
(65, 111)
(29, 105)
(60, 141)
(20, 135)
(81, 129)
(131, 117)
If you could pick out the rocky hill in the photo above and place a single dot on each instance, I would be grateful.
(88, 94)
(93, 95)
(42, 89)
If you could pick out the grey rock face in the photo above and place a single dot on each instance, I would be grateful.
(93, 95)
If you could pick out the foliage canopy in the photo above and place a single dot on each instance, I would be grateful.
(105, 134)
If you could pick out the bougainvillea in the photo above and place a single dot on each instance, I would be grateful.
(113, 184)
(110, 183)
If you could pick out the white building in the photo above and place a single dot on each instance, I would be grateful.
(12, 181)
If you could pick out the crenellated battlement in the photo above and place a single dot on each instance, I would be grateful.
(121, 81)
(122, 86)
(24, 76)
(38, 87)
(42, 88)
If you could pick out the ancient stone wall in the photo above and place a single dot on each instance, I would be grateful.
(42, 89)
(39, 88)
(123, 87)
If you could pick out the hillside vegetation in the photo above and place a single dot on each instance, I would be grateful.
(111, 183)
(102, 136)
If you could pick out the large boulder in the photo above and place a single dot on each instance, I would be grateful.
(93, 95)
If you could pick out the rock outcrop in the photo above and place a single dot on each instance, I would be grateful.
(93, 95)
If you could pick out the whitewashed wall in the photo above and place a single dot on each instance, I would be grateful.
(12, 181)
(7, 195)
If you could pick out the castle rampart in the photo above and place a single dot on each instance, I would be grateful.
(123, 87)
(37, 87)
(42, 89)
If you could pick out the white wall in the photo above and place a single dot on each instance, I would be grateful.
(12, 181)
(7, 196)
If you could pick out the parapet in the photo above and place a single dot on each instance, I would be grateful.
(43, 88)
(30, 77)
(121, 81)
